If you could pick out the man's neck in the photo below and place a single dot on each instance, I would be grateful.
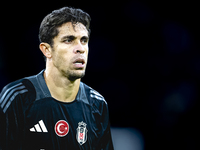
(60, 87)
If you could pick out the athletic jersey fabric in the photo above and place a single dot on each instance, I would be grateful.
(33, 120)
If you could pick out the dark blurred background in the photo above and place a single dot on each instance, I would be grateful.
(144, 59)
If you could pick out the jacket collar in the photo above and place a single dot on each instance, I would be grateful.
(81, 95)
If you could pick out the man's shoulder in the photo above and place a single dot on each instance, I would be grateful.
(93, 95)
(96, 101)
(20, 88)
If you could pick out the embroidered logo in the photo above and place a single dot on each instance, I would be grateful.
(81, 134)
(39, 127)
(62, 128)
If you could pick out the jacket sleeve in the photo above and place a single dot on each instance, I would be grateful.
(11, 120)
(2, 129)
(106, 140)
(101, 118)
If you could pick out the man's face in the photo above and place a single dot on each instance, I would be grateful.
(70, 50)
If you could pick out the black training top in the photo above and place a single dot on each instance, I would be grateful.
(31, 119)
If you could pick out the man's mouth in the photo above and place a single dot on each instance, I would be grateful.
(79, 63)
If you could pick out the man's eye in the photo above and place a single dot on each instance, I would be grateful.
(84, 41)
(68, 41)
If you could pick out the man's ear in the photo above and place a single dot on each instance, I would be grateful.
(46, 49)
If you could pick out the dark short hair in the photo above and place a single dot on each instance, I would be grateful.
(49, 25)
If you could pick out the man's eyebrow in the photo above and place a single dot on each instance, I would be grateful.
(85, 37)
(68, 37)
(72, 37)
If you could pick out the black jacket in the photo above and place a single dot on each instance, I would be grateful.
(31, 119)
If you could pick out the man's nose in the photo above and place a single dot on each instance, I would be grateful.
(79, 48)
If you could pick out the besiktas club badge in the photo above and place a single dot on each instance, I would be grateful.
(81, 134)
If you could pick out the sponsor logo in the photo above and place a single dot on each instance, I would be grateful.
(62, 128)
(39, 127)
(81, 134)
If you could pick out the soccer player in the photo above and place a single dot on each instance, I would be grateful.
(54, 110)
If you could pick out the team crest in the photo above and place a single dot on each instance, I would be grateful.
(81, 134)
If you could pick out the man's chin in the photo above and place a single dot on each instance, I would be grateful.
(76, 75)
